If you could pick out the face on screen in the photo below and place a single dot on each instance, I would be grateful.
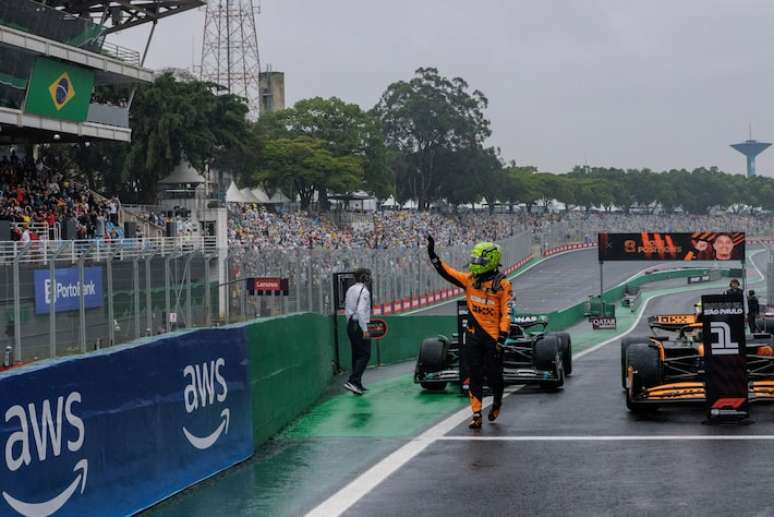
(723, 247)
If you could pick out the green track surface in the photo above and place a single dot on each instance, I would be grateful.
(391, 409)
(344, 435)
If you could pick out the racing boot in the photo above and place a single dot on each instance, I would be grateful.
(475, 422)
(494, 412)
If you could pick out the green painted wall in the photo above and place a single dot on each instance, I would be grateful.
(402, 340)
(291, 365)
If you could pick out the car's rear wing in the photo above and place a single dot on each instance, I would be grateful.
(673, 322)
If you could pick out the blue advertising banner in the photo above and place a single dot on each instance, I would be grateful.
(68, 289)
(114, 432)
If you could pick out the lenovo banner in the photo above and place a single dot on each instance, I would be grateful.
(724, 357)
(114, 432)
(671, 246)
(268, 286)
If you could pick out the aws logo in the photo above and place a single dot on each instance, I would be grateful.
(62, 91)
(206, 384)
(41, 437)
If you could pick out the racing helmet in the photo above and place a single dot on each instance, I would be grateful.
(484, 258)
(697, 308)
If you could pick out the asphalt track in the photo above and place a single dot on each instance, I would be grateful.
(580, 452)
(561, 281)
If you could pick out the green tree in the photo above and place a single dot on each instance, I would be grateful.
(424, 120)
(172, 120)
(344, 130)
(521, 185)
(300, 164)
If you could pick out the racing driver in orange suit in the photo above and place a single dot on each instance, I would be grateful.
(487, 293)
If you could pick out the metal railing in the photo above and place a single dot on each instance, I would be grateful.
(126, 55)
(42, 230)
(96, 250)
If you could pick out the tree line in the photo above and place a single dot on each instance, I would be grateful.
(424, 140)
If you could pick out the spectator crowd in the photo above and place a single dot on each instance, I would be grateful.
(40, 199)
(258, 228)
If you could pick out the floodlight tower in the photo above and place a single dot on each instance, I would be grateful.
(230, 54)
(751, 148)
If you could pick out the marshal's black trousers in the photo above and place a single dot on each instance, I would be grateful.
(361, 352)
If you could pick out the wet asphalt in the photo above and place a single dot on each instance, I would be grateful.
(588, 476)
(562, 281)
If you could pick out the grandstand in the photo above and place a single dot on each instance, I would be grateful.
(58, 78)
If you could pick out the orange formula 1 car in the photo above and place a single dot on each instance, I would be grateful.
(667, 368)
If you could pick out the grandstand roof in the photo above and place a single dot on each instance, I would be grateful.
(122, 14)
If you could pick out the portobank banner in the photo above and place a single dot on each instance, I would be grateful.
(114, 432)
(68, 289)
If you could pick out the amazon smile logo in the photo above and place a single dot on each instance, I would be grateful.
(205, 385)
(40, 435)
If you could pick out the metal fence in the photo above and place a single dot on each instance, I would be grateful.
(136, 285)
(397, 274)
(139, 287)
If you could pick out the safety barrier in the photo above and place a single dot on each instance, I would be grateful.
(116, 431)
(291, 365)
(573, 246)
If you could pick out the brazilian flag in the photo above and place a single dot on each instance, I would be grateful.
(59, 90)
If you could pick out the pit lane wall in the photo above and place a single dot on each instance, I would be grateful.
(114, 432)
(291, 362)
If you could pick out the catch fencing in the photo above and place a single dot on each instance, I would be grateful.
(132, 288)
(398, 274)
(140, 287)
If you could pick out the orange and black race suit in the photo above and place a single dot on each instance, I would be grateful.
(487, 298)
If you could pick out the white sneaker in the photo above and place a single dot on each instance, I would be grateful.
(351, 387)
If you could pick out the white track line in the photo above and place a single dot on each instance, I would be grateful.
(342, 500)
(761, 277)
(642, 313)
(623, 334)
(613, 438)
(350, 494)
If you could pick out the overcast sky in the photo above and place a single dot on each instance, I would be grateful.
(654, 83)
